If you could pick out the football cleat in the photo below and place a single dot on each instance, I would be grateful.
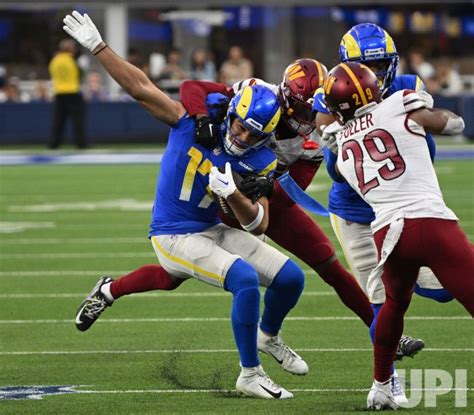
(380, 397)
(255, 382)
(93, 306)
(408, 347)
(283, 354)
(397, 390)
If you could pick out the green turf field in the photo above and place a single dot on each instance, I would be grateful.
(63, 226)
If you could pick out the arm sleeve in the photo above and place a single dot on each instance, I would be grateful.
(193, 95)
(331, 159)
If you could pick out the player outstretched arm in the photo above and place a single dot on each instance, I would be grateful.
(129, 77)
(438, 121)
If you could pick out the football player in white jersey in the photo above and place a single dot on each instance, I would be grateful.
(382, 154)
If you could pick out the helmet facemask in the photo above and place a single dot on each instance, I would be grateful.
(232, 143)
(385, 69)
(298, 114)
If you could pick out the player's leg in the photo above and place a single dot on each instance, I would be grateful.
(242, 281)
(106, 291)
(148, 277)
(280, 297)
(199, 256)
(60, 111)
(284, 280)
(399, 276)
(358, 245)
(291, 228)
(450, 256)
(78, 113)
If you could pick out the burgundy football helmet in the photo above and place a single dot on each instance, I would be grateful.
(300, 81)
(350, 87)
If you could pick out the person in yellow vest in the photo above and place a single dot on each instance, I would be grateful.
(68, 100)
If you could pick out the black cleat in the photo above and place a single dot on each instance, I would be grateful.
(408, 347)
(93, 306)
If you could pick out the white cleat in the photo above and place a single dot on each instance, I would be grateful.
(253, 381)
(380, 397)
(284, 355)
(397, 390)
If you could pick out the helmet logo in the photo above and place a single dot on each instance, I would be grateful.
(254, 124)
(295, 72)
(352, 48)
(328, 84)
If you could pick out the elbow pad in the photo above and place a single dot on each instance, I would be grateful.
(455, 125)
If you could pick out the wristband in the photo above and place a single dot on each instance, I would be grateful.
(257, 221)
(101, 49)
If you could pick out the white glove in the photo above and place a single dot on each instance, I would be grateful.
(425, 96)
(222, 184)
(328, 137)
(83, 29)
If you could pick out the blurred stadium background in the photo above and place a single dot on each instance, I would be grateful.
(63, 225)
(434, 39)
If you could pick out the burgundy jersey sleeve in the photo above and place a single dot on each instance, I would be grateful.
(193, 95)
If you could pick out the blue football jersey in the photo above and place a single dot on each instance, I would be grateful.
(343, 199)
(183, 200)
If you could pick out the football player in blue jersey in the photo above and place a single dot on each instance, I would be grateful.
(350, 216)
(186, 234)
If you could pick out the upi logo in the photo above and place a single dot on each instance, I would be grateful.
(431, 383)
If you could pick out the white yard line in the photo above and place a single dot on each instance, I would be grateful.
(232, 391)
(65, 273)
(79, 273)
(152, 294)
(209, 351)
(81, 241)
(80, 255)
(219, 319)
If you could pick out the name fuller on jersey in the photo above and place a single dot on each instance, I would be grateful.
(357, 125)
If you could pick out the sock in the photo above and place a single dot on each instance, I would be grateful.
(376, 308)
(105, 290)
(388, 331)
(347, 289)
(145, 278)
(242, 281)
(281, 296)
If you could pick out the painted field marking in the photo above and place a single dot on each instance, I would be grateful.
(79, 273)
(209, 351)
(80, 255)
(80, 241)
(115, 204)
(219, 319)
(153, 294)
(233, 391)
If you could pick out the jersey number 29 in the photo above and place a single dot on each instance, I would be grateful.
(388, 171)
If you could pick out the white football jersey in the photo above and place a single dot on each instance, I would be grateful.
(384, 156)
(289, 150)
